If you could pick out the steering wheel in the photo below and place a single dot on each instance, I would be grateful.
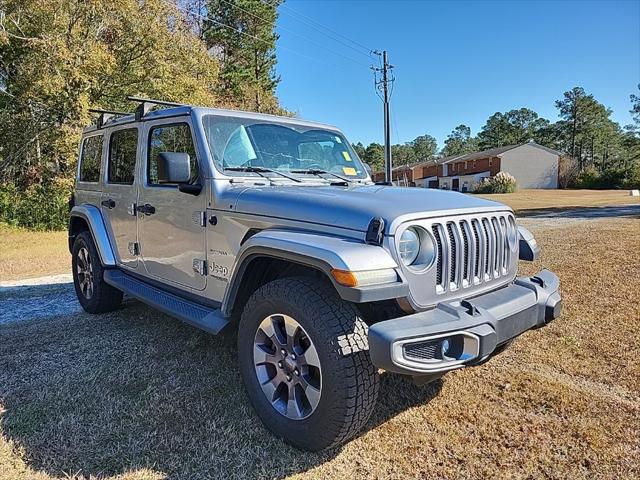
(312, 166)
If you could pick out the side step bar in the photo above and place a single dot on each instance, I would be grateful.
(206, 318)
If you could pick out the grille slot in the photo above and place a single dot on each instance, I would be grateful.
(453, 264)
(471, 251)
(465, 251)
(476, 236)
(436, 234)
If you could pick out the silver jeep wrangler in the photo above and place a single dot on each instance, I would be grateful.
(272, 226)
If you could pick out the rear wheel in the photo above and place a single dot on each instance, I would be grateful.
(304, 360)
(94, 294)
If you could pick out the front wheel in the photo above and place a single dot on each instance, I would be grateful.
(304, 360)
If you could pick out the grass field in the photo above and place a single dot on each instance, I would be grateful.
(25, 254)
(136, 395)
(542, 199)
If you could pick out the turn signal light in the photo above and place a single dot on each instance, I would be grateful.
(364, 278)
(344, 277)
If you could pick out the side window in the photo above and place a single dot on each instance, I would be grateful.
(90, 159)
(122, 156)
(170, 138)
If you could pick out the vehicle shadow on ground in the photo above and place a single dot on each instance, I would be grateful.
(622, 211)
(134, 389)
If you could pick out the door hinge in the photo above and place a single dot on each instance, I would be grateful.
(199, 218)
(200, 266)
(134, 248)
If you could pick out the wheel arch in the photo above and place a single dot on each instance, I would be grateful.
(267, 254)
(262, 265)
(89, 218)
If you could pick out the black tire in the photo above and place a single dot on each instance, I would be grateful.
(103, 297)
(350, 382)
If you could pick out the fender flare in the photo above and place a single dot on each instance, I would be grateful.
(321, 252)
(93, 218)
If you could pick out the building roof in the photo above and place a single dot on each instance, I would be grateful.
(493, 152)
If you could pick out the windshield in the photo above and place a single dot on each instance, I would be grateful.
(241, 143)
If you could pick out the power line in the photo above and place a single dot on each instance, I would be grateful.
(295, 33)
(312, 23)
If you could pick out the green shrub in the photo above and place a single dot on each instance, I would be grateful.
(40, 207)
(610, 178)
(503, 182)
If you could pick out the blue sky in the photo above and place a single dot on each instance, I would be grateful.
(456, 62)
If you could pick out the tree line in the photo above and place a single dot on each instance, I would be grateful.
(584, 132)
(61, 57)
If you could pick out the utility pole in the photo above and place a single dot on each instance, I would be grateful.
(383, 85)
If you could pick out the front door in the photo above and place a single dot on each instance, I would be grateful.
(172, 238)
(120, 193)
(455, 184)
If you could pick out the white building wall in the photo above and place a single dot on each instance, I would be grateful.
(532, 167)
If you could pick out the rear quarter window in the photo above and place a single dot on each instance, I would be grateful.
(90, 159)
(123, 147)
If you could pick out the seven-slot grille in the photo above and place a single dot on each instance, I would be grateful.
(472, 251)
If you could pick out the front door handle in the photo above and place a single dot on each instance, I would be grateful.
(146, 209)
(108, 203)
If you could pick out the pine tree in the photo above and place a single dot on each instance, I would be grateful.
(241, 35)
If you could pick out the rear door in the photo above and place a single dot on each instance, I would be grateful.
(172, 235)
(120, 194)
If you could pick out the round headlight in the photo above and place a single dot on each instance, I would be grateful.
(409, 247)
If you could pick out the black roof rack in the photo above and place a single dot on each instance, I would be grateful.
(106, 115)
(146, 104)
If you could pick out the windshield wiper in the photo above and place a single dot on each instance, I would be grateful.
(319, 173)
(260, 171)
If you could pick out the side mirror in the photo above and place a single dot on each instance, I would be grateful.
(174, 167)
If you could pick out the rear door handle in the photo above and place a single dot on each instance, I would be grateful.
(146, 209)
(108, 203)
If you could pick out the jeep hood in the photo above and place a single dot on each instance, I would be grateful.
(354, 207)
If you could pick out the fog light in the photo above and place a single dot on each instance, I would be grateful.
(444, 347)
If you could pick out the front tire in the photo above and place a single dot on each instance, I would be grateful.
(304, 360)
(94, 294)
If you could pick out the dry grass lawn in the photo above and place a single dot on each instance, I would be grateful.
(540, 199)
(25, 254)
(136, 395)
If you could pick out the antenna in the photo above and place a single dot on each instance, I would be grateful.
(105, 115)
(146, 104)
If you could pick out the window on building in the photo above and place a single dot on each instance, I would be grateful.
(490, 161)
(90, 159)
(465, 165)
(122, 156)
(473, 165)
(170, 138)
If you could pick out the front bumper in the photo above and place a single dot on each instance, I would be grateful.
(464, 332)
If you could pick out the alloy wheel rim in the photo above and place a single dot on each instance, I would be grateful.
(287, 366)
(84, 269)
